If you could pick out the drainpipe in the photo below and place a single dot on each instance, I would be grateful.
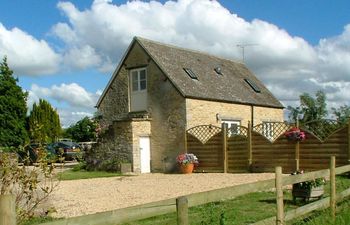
(252, 115)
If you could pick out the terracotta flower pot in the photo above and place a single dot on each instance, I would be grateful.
(186, 168)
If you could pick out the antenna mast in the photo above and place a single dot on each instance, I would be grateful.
(243, 46)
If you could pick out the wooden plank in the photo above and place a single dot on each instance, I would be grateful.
(182, 210)
(292, 179)
(224, 146)
(229, 192)
(342, 169)
(332, 201)
(279, 196)
(7, 210)
(121, 215)
(348, 137)
(304, 210)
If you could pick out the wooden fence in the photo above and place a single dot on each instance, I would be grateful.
(263, 147)
(181, 204)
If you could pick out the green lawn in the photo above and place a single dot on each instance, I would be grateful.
(83, 174)
(252, 208)
(245, 209)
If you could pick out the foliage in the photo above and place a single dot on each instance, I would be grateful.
(30, 185)
(342, 114)
(186, 158)
(13, 109)
(310, 109)
(310, 183)
(295, 134)
(44, 123)
(84, 130)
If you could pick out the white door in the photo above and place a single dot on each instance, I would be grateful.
(145, 154)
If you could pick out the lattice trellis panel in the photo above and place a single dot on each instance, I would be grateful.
(204, 132)
(322, 129)
(237, 131)
(272, 130)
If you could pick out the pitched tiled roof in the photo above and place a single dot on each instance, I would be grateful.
(231, 86)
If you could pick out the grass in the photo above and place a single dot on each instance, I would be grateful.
(253, 207)
(83, 174)
(38, 220)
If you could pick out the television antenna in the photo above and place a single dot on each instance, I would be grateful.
(243, 46)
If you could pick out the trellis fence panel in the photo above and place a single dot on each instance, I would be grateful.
(263, 147)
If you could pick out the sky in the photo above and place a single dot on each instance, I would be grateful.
(66, 51)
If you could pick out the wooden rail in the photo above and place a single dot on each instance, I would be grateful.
(181, 204)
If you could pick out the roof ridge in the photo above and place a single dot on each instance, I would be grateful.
(138, 38)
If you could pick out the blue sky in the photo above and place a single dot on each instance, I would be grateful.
(66, 51)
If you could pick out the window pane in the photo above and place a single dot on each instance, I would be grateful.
(135, 86)
(134, 76)
(143, 85)
(142, 74)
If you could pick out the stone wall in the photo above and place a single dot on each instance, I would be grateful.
(166, 111)
(202, 112)
(112, 149)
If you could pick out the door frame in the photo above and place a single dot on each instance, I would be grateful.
(145, 168)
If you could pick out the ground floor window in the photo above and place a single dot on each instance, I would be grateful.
(233, 126)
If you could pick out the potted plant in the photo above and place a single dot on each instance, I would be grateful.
(308, 189)
(186, 162)
(295, 134)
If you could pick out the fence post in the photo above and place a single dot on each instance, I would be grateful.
(182, 210)
(349, 141)
(224, 146)
(279, 196)
(332, 187)
(250, 148)
(297, 151)
(7, 210)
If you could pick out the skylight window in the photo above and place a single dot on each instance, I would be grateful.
(218, 71)
(253, 85)
(191, 73)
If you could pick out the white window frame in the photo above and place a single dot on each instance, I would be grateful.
(138, 80)
(138, 95)
(231, 123)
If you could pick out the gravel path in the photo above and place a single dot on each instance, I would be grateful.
(81, 197)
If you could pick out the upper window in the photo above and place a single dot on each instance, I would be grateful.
(191, 73)
(253, 85)
(138, 79)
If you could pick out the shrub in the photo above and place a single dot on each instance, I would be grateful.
(30, 185)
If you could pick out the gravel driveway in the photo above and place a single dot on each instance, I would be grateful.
(81, 197)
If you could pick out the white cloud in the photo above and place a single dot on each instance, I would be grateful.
(27, 55)
(69, 117)
(82, 58)
(288, 65)
(78, 102)
(72, 94)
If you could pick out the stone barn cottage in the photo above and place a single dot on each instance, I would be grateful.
(158, 91)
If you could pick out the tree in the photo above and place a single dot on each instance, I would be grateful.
(310, 109)
(13, 109)
(342, 114)
(43, 123)
(83, 130)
